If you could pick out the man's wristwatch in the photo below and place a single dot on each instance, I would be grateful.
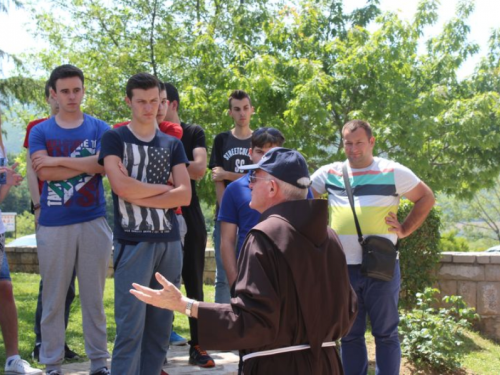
(189, 307)
(36, 206)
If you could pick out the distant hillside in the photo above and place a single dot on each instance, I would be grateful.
(13, 137)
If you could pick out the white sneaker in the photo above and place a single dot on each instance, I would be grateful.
(20, 367)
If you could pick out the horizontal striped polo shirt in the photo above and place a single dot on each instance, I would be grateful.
(377, 190)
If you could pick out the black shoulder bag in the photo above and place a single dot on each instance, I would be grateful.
(379, 253)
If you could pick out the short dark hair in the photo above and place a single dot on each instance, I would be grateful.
(65, 71)
(354, 125)
(47, 89)
(267, 136)
(172, 93)
(239, 95)
(162, 86)
(143, 81)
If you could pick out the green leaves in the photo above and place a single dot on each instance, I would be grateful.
(419, 256)
(309, 68)
(433, 336)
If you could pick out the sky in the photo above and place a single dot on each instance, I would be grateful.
(15, 37)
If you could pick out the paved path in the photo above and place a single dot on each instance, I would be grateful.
(226, 364)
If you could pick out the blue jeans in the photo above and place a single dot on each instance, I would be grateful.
(142, 331)
(379, 300)
(222, 290)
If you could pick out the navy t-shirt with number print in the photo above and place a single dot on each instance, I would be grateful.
(230, 153)
(149, 162)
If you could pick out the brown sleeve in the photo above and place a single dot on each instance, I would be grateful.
(252, 318)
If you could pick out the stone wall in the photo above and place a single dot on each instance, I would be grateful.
(25, 259)
(475, 277)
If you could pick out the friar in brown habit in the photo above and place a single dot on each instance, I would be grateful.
(292, 297)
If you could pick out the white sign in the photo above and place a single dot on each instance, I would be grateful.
(9, 221)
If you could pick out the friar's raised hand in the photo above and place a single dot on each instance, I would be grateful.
(169, 297)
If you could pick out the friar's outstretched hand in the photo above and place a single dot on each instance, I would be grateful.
(169, 297)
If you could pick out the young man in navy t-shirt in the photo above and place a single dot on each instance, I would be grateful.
(72, 232)
(139, 161)
(235, 214)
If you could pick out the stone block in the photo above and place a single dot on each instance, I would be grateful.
(490, 327)
(469, 272)
(27, 258)
(495, 258)
(468, 291)
(492, 273)
(447, 287)
(110, 273)
(446, 258)
(25, 268)
(464, 258)
(488, 298)
(13, 257)
(209, 277)
(483, 259)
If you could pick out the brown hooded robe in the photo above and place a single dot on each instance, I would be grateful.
(292, 288)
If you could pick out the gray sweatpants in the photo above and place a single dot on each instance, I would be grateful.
(142, 331)
(86, 248)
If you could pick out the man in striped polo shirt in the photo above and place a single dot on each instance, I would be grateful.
(377, 185)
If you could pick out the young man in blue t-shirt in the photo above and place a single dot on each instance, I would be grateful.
(139, 161)
(235, 214)
(72, 232)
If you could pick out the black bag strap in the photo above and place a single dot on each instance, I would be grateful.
(348, 190)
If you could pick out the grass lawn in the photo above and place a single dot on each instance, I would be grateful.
(483, 356)
(26, 293)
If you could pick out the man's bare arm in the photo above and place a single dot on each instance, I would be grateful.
(219, 190)
(86, 164)
(316, 195)
(198, 166)
(4, 190)
(126, 187)
(12, 179)
(423, 198)
(179, 195)
(32, 184)
(52, 173)
(228, 251)
(219, 174)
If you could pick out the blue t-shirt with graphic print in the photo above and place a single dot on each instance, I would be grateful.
(150, 162)
(78, 199)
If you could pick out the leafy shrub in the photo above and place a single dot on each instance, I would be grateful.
(419, 255)
(450, 242)
(432, 336)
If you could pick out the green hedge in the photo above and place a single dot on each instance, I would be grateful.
(419, 255)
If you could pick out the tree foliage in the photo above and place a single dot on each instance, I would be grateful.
(478, 217)
(309, 68)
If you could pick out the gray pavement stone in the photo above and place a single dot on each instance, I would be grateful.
(226, 363)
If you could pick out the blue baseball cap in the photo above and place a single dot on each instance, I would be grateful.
(284, 164)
